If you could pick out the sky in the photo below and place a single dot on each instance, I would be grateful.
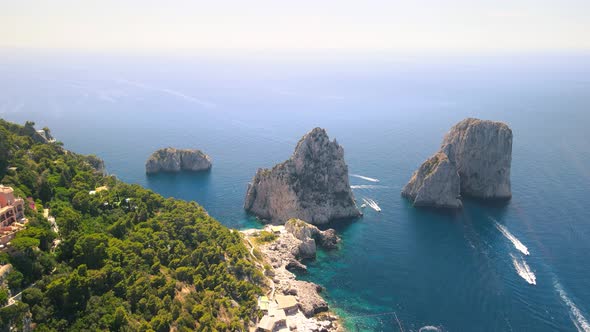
(362, 25)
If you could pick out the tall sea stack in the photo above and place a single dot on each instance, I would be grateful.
(312, 185)
(479, 154)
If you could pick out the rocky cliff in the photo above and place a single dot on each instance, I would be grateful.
(311, 185)
(175, 160)
(96, 163)
(310, 236)
(475, 157)
(482, 151)
(435, 183)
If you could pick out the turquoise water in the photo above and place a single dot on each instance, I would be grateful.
(452, 271)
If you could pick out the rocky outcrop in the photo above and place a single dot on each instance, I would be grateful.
(96, 163)
(311, 185)
(474, 160)
(176, 160)
(310, 300)
(293, 244)
(310, 235)
(435, 183)
(482, 151)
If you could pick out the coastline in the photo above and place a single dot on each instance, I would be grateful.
(279, 253)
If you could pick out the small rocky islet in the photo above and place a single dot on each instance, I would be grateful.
(474, 161)
(176, 160)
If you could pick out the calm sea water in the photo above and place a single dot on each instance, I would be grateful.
(403, 268)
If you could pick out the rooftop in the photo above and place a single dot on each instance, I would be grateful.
(99, 189)
(266, 323)
(5, 190)
(263, 303)
(286, 301)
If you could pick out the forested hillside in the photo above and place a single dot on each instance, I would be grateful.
(128, 259)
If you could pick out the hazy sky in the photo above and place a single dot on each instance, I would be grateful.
(410, 25)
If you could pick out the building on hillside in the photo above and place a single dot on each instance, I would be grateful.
(263, 303)
(288, 303)
(274, 321)
(12, 209)
(4, 271)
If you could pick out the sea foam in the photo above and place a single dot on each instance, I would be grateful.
(367, 186)
(365, 178)
(576, 316)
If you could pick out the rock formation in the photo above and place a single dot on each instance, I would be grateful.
(176, 160)
(474, 160)
(482, 151)
(435, 183)
(96, 163)
(309, 235)
(311, 185)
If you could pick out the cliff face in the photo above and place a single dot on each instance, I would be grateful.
(96, 163)
(311, 185)
(310, 237)
(435, 183)
(175, 160)
(474, 160)
(482, 151)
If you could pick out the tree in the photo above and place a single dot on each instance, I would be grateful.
(3, 296)
(25, 244)
(14, 280)
(91, 250)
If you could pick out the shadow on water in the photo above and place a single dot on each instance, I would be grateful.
(340, 225)
(181, 185)
(487, 203)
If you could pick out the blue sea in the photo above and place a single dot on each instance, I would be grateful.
(403, 268)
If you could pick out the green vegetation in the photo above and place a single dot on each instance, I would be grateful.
(129, 259)
(265, 237)
(430, 165)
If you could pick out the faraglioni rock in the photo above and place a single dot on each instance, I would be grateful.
(311, 185)
(474, 160)
(176, 160)
(435, 183)
(482, 152)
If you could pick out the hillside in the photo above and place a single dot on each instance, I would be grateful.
(128, 259)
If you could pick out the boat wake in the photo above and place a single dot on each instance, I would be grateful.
(516, 242)
(524, 270)
(367, 186)
(365, 178)
(372, 204)
(576, 316)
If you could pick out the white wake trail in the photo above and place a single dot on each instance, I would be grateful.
(576, 316)
(524, 270)
(516, 242)
(365, 178)
(367, 186)
(372, 204)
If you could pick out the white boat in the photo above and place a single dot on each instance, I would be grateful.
(372, 204)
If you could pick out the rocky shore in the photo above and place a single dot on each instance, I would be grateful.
(283, 251)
